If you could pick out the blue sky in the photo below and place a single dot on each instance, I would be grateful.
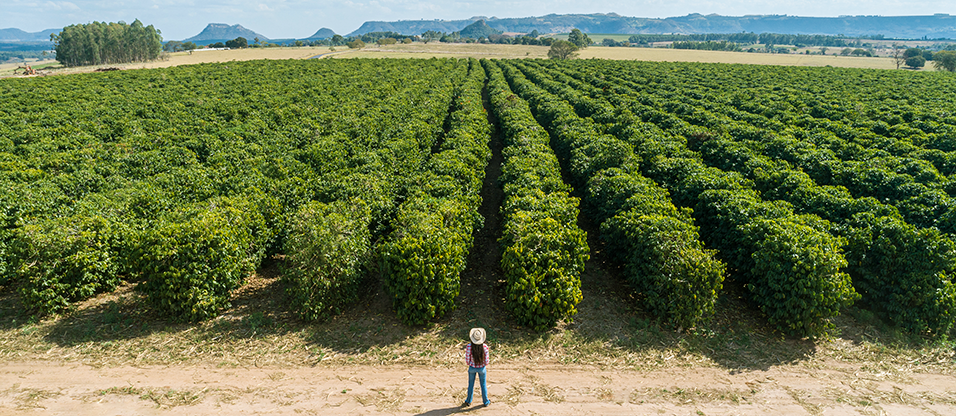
(179, 19)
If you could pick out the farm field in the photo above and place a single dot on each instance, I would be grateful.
(632, 219)
(185, 58)
(683, 55)
(479, 51)
(448, 50)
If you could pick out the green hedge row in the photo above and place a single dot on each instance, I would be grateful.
(904, 273)
(432, 233)
(362, 183)
(544, 250)
(327, 252)
(790, 263)
(63, 260)
(117, 179)
(657, 243)
(865, 156)
(193, 260)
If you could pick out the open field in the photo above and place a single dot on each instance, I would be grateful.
(420, 50)
(197, 57)
(440, 50)
(683, 55)
(449, 50)
(7, 69)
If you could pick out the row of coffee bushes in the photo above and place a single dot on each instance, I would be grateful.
(831, 152)
(330, 247)
(544, 250)
(657, 243)
(790, 263)
(903, 272)
(183, 179)
(903, 114)
(899, 113)
(432, 232)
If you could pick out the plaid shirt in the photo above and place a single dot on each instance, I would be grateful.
(471, 361)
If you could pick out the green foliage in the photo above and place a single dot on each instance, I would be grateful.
(544, 251)
(6, 269)
(657, 244)
(424, 256)
(579, 39)
(562, 49)
(328, 247)
(237, 43)
(355, 44)
(796, 279)
(945, 61)
(63, 260)
(107, 43)
(665, 261)
(905, 274)
(747, 142)
(195, 258)
(726, 206)
(917, 61)
(160, 151)
(542, 262)
(912, 52)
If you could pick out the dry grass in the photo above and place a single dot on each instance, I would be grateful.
(48, 65)
(30, 398)
(448, 50)
(684, 55)
(259, 330)
(695, 396)
(384, 400)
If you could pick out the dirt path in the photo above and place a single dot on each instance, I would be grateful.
(76, 389)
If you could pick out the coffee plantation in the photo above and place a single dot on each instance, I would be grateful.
(813, 189)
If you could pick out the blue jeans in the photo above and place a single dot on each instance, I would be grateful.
(471, 384)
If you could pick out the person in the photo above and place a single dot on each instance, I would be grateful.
(477, 355)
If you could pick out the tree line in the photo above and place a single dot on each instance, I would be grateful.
(107, 43)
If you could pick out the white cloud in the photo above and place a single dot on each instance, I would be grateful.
(60, 5)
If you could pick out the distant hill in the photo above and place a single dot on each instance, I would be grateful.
(323, 33)
(479, 29)
(412, 27)
(909, 27)
(17, 35)
(221, 32)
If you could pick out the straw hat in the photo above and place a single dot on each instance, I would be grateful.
(477, 336)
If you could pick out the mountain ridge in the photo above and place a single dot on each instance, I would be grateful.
(16, 35)
(222, 31)
(323, 33)
(909, 27)
(935, 26)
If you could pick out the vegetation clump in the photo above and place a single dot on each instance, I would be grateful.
(562, 50)
(107, 43)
